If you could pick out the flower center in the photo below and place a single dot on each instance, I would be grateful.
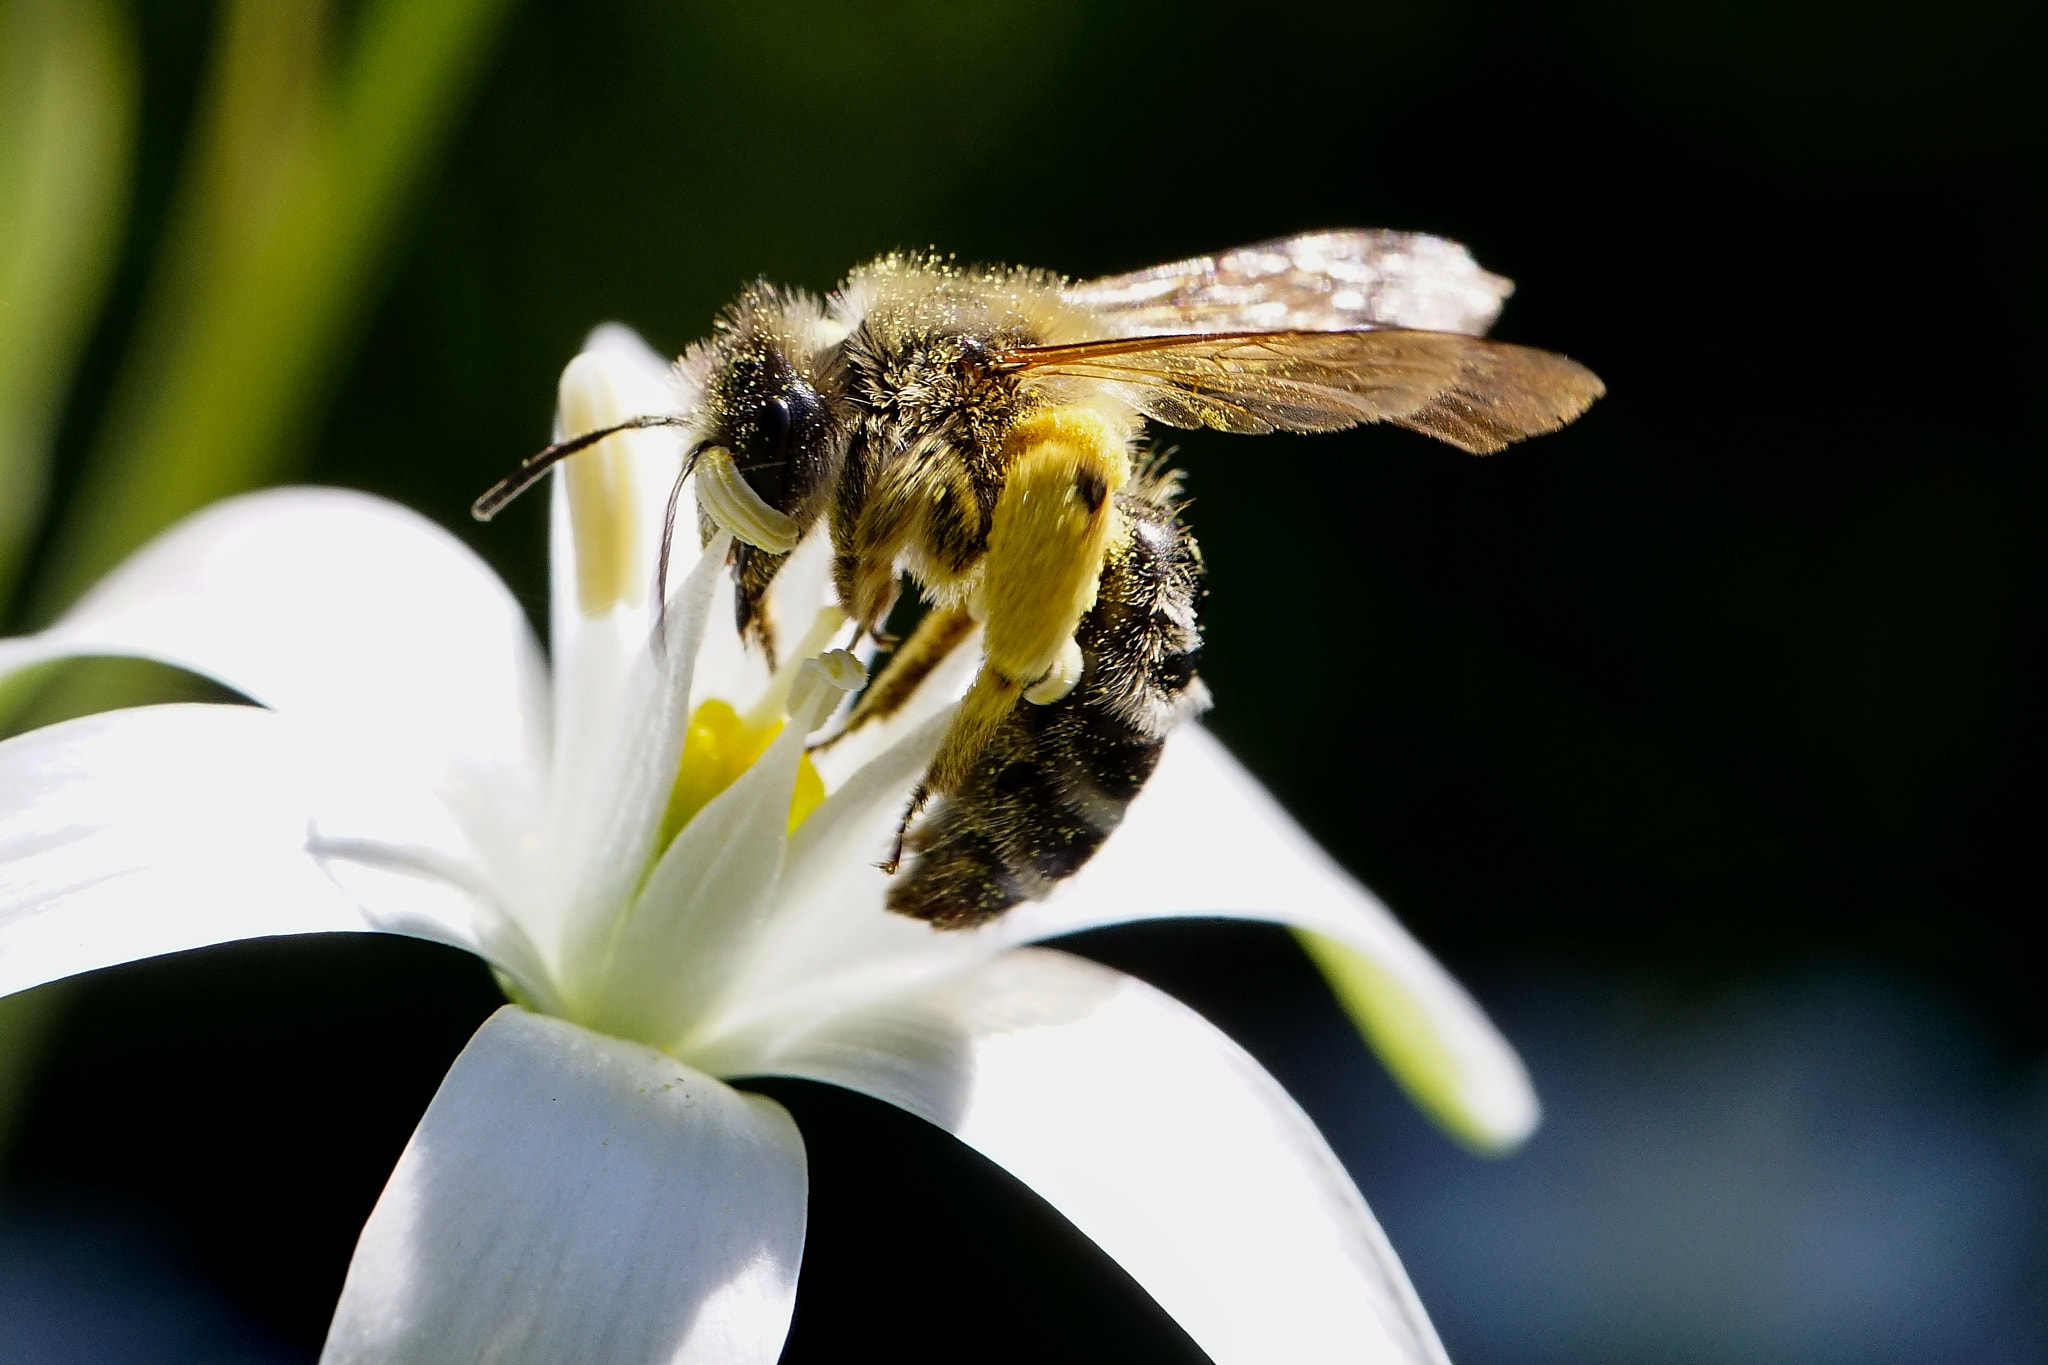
(719, 746)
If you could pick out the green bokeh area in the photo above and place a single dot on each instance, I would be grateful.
(1744, 671)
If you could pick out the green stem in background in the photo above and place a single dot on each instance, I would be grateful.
(68, 89)
(269, 269)
(286, 214)
(67, 121)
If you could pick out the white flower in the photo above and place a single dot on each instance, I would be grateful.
(583, 1187)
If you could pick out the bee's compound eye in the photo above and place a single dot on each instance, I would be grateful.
(775, 422)
(763, 455)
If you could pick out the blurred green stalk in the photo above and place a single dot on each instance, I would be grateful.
(67, 118)
(286, 212)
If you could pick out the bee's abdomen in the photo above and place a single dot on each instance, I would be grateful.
(1055, 780)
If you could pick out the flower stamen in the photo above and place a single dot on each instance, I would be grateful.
(774, 701)
(721, 743)
(602, 516)
(719, 747)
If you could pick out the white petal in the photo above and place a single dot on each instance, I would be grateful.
(1158, 1137)
(572, 1197)
(828, 945)
(616, 765)
(802, 587)
(736, 670)
(154, 830)
(728, 667)
(669, 957)
(354, 614)
(1204, 838)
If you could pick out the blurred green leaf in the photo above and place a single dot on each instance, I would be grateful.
(300, 172)
(67, 116)
(297, 178)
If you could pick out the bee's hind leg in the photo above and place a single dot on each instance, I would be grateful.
(1052, 527)
(1053, 524)
(918, 797)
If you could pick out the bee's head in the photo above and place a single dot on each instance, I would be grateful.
(765, 399)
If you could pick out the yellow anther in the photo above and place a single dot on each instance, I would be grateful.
(603, 520)
(718, 748)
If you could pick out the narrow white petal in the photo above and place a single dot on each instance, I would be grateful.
(728, 667)
(736, 670)
(1204, 838)
(353, 614)
(163, 828)
(1158, 1137)
(616, 766)
(802, 587)
(603, 662)
(670, 955)
(573, 1197)
(828, 945)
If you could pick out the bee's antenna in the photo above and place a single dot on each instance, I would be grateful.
(533, 466)
(668, 538)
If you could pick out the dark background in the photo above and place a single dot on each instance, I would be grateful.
(1704, 739)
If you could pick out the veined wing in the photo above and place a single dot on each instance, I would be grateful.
(1478, 395)
(1317, 282)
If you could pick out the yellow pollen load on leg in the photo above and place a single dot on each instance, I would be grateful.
(1046, 539)
(717, 749)
(1052, 525)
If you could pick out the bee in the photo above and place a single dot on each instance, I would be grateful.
(1054, 779)
(976, 431)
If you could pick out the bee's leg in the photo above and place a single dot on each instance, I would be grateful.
(1056, 779)
(982, 710)
(864, 570)
(920, 498)
(1053, 523)
(934, 640)
(918, 797)
(753, 572)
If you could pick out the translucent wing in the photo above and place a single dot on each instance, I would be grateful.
(1478, 395)
(1317, 282)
